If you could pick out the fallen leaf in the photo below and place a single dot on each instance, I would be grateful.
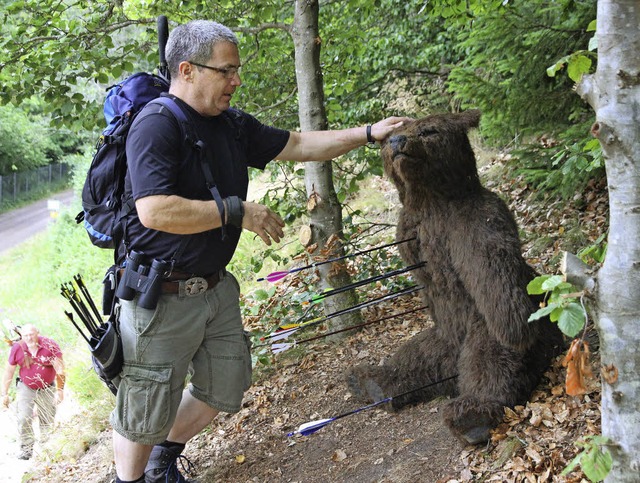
(240, 459)
(339, 455)
(578, 368)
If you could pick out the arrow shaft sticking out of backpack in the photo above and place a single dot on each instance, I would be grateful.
(312, 426)
(275, 276)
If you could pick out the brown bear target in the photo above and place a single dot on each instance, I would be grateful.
(474, 283)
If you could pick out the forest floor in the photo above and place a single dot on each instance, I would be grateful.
(533, 444)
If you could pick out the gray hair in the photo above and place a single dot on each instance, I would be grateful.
(194, 41)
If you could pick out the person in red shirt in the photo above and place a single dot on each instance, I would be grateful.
(40, 384)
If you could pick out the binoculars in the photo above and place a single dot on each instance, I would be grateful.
(141, 278)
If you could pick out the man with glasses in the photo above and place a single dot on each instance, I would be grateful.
(196, 327)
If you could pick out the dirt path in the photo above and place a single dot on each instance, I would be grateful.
(11, 468)
(18, 225)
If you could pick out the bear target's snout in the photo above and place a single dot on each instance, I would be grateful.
(397, 143)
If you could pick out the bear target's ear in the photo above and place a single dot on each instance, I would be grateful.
(470, 118)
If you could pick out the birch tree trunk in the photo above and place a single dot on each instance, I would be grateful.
(614, 93)
(325, 212)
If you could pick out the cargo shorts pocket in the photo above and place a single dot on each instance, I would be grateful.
(144, 398)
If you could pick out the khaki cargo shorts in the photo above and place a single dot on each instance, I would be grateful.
(201, 336)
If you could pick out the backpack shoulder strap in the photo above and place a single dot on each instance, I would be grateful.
(26, 354)
(200, 147)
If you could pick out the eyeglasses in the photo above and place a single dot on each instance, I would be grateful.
(228, 73)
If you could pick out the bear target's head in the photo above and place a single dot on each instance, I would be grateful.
(432, 157)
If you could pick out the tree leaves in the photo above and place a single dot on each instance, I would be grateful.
(595, 462)
(571, 319)
(561, 306)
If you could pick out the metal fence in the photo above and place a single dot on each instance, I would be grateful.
(17, 185)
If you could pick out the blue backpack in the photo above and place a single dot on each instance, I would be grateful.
(103, 206)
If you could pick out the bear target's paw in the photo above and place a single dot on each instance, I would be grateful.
(471, 420)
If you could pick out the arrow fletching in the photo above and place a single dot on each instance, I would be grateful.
(280, 334)
(274, 276)
(285, 331)
(277, 348)
(311, 427)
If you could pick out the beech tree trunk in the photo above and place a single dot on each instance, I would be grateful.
(325, 212)
(614, 93)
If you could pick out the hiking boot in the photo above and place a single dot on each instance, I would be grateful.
(24, 454)
(163, 466)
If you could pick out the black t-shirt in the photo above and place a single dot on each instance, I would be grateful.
(161, 162)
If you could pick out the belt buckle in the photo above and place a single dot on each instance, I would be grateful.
(195, 286)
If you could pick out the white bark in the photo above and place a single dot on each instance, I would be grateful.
(614, 93)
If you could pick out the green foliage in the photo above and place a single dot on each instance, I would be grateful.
(562, 303)
(507, 52)
(564, 166)
(417, 58)
(594, 460)
(66, 53)
(24, 145)
(595, 252)
(28, 142)
(579, 62)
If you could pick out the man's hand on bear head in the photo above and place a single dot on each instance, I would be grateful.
(382, 129)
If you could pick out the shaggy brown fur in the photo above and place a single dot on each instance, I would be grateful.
(474, 283)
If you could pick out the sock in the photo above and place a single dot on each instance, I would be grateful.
(139, 480)
(170, 444)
